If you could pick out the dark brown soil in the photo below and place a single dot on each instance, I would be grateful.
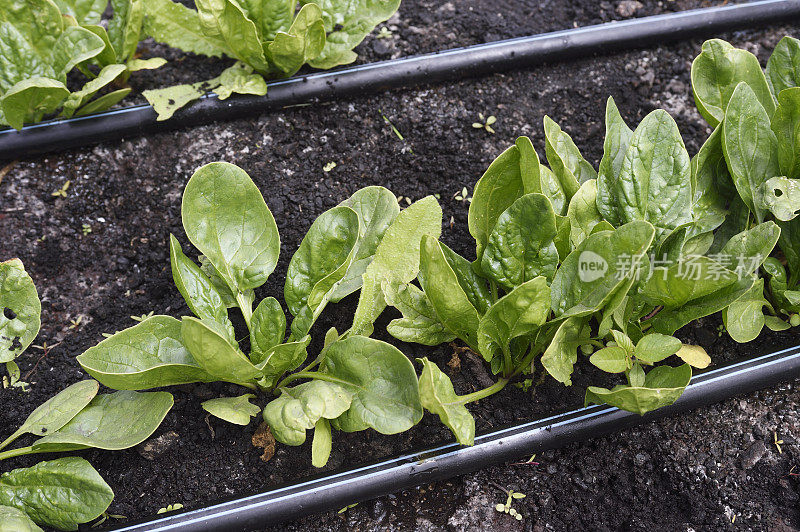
(675, 474)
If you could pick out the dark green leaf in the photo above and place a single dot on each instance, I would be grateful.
(783, 67)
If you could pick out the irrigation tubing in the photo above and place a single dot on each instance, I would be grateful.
(339, 489)
(449, 65)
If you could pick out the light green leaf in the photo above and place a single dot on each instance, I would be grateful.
(783, 67)
(396, 258)
(270, 16)
(166, 101)
(30, 100)
(610, 359)
(84, 11)
(377, 209)
(562, 353)
(519, 313)
(125, 27)
(446, 295)
(134, 65)
(59, 409)
(615, 147)
(322, 443)
(240, 80)
(583, 213)
(226, 218)
(207, 342)
(79, 98)
(59, 493)
(29, 30)
(103, 103)
(749, 249)
(654, 182)
(781, 196)
(694, 355)
(347, 23)
(112, 422)
(565, 159)
(382, 380)
(744, 318)
(601, 264)
(303, 42)
(684, 281)
(774, 323)
(537, 178)
(520, 246)
(267, 326)
(20, 310)
(750, 146)
(437, 396)
(321, 261)
(74, 46)
(282, 358)
(15, 520)
(196, 288)
(474, 286)
(178, 26)
(147, 355)
(786, 126)
(299, 408)
(226, 21)
(419, 323)
(662, 387)
(237, 410)
(656, 347)
(715, 74)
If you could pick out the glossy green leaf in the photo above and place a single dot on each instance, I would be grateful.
(786, 126)
(382, 380)
(103, 103)
(789, 243)
(20, 310)
(196, 288)
(59, 409)
(239, 79)
(267, 326)
(499, 187)
(748, 250)
(783, 67)
(226, 218)
(30, 29)
(322, 443)
(74, 46)
(560, 356)
(178, 26)
(446, 295)
(125, 27)
(591, 274)
(715, 74)
(377, 209)
(282, 357)
(520, 246)
(237, 410)
(750, 146)
(774, 323)
(135, 65)
(319, 264)
(692, 278)
(661, 387)
(583, 213)
(781, 196)
(270, 16)
(147, 355)
(419, 323)
(565, 159)
(303, 42)
(167, 101)
(60, 493)
(15, 520)
(84, 11)
(654, 182)
(79, 98)
(711, 182)
(615, 147)
(744, 318)
(226, 21)
(111, 422)
(519, 313)
(299, 408)
(612, 359)
(537, 178)
(656, 347)
(437, 396)
(347, 23)
(475, 287)
(30, 100)
(396, 258)
(207, 343)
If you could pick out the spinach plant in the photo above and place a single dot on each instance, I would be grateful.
(752, 160)
(267, 38)
(20, 313)
(66, 492)
(571, 258)
(44, 40)
(354, 383)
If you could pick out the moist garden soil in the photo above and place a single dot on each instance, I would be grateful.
(100, 255)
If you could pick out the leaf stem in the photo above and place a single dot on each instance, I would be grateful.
(246, 307)
(11, 438)
(480, 394)
(311, 375)
(17, 452)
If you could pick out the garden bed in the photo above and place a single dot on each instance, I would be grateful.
(128, 195)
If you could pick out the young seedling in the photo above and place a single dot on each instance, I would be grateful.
(384, 33)
(328, 167)
(343, 510)
(86, 229)
(463, 196)
(105, 516)
(170, 508)
(507, 507)
(777, 442)
(486, 122)
(62, 192)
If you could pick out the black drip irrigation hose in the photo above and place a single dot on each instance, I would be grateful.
(336, 490)
(449, 65)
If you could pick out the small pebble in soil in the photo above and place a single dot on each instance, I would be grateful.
(753, 454)
(152, 449)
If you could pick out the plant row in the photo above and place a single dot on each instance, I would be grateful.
(572, 265)
(46, 45)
